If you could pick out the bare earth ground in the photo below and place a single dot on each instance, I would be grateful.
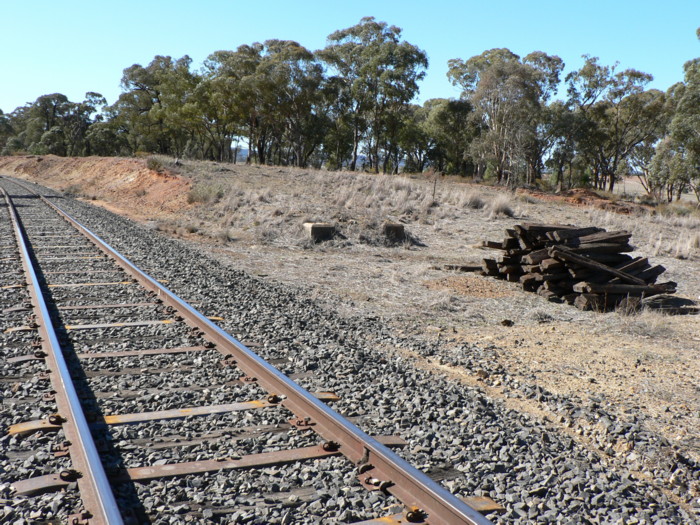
(642, 367)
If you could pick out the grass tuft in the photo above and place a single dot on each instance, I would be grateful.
(74, 190)
(205, 193)
(670, 234)
(155, 164)
(500, 205)
(473, 200)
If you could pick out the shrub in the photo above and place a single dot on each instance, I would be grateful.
(646, 199)
(154, 164)
(676, 209)
(500, 205)
(74, 190)
(547, 184)
(225, 235)
(473, 200)
(205, 193)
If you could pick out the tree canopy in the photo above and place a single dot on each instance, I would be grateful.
(352, 105)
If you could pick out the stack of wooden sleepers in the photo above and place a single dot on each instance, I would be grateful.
(588, 267)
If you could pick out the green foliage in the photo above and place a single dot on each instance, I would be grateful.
(449, 127)
(52, 125)
(349, 105)
(547, 184)
(375, 75)
(509, 96)
(154, 164)
(153, 110)
(105, 140)
(583, 180)
(616, 115)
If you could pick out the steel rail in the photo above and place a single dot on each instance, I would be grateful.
(413, 488)
(95, 490)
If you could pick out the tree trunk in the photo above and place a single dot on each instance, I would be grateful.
(611, 187)
(560, 174)
(355, 147)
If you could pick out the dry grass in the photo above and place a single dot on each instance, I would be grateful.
(155, 164)
(74, 190)
(225, 235)
(383, 194)
(446, 302)
(205, 193)
(269, 205)
(272, 209)
(647, 324)
(473, 199)
(657, 234)
(257, 226)
(500, 205)
(679, 210)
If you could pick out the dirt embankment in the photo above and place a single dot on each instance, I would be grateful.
(588, 198)
(122, 185)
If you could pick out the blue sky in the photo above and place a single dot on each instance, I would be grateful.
(75, 46)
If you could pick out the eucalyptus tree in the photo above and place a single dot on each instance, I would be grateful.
(375, 74)
(15, 126)
(619, 115)
(673, 163)
(670, 171)
(131, 111)
(415, 139)
(257, 100)
(509, 95)
(339, 141)
(270, 93)
(386, 146)
(175, 110)
(563, 128)
(685, 126)
(78, 119)
(213, 125)
(54, 125)
(453, 126)
(543, 118)
(42, 132)
(152, 109)
(228, 98)
(105, 139)
(6, 130)
(291, 78)
(642, 162)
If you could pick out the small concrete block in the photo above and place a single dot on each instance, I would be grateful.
(319, 231)
(394, 231)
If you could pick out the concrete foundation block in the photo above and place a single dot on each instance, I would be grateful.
(319, 231)
(394, 231)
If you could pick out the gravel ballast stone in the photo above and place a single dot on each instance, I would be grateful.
(537, 474)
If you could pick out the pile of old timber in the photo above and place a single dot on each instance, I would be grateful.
(588, 267)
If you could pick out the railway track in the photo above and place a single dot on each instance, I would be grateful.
(115, 356)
